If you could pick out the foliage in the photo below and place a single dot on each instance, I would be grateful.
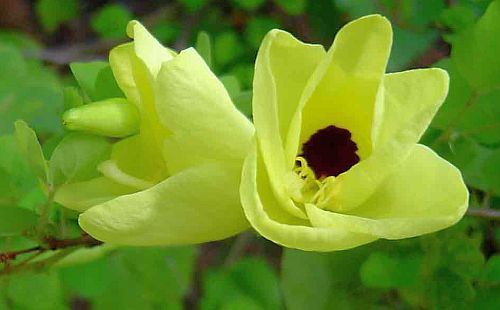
(455, 268)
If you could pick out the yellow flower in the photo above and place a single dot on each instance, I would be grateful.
(336, 162)
(176, 180)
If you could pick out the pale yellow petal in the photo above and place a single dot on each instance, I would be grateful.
(82, 195)
(424, 194)
(343, 90)
(196, 205)
(264, 213)
(196, 108)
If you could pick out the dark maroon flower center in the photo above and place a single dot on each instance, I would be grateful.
(330, 151)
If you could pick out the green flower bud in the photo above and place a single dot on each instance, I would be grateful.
(114, 117)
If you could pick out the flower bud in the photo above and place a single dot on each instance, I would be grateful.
(114, 117)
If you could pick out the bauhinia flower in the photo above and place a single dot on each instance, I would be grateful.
(176, 180)
(336, 162)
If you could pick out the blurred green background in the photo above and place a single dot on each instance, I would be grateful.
(458, 268)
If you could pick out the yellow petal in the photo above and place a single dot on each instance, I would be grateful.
(196, 205)
(264, 213)
(195, 107)
(424, 194)
(283, 66)
(130, 156)
(82, 195)
(343, 90)
(411, 99)
(147, 48)
(137, 84)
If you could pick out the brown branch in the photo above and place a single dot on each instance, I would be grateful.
(487, 213)
(52, 244)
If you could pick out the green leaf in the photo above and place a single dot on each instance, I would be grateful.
(475, 51)
(28, 91)
(257, 28)
(244, 73)
(382, 270)
(193, 5)
(76, 158)
(408, 45)
(227, 48)
(244, 102)
(491, 272)
(487, 298)
(142, 277)
(475, 115)
(165, 32)
(111, 20)
(458, 17)
(14, 221)
(232, 85)
(356, 8)
(447, 290)
(204, 47)
(52, 13)
(86, 74)
(325, 280)
(31, 150)
(36, 291)
(248, 284)
(478, 164)
(106, 86)
(87, 280)
(16, 174)
(249, 5)
(306, 279)
(292, 7)
(72, 98)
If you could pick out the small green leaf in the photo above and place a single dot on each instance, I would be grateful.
(86, 74)
(86, 280)
(111, 20)
(32, 151)
(491, 272)
(232, 85)
(193, 5)
(52, 13)
(292, 7)
(76, 158)
(306, 279)
(408, 45)
(165, 32)
(382, 270)
(72, 98)
(204, 47)
(244, 102)
(458, 17)
(356, 8)
(249, 5)
(475, 51)
(14, 221)
(447, 290)
(36, 291)
(106, 86)
(248, 284)
(257, 28)
(227, 48)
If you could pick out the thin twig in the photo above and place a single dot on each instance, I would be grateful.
(487, 213)
(52, 244)
(38, 265)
